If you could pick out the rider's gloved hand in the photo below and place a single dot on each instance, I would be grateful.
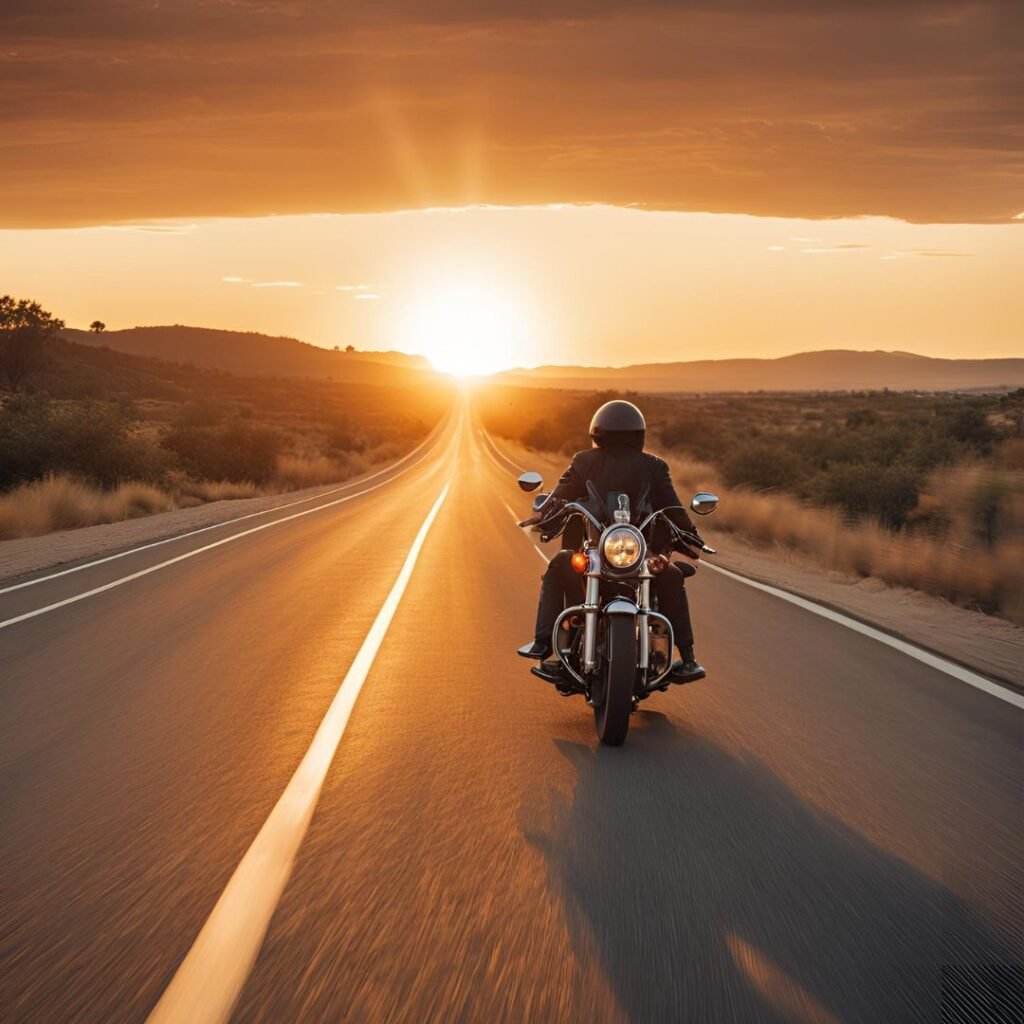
(688, 551)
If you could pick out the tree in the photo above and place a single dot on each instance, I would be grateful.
(350, 348)
(97, 327)
(1012, 405)
(25, 327)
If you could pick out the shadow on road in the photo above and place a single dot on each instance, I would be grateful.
(711, 891)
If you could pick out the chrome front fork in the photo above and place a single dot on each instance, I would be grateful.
(591, 604)
(643, 633)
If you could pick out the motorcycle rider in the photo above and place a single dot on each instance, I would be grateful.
(618, 463)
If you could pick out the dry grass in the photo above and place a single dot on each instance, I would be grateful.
(60, 503)
(187, 492)
(296, 471)
(63, 503)
(951, 559)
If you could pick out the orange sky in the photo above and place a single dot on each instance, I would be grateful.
(129, 109)
(595, 285)
(859, 163)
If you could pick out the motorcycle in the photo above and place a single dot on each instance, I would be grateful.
(616, 647)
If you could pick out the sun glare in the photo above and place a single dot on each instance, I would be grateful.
(469, 328)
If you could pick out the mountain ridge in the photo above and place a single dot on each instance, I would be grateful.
(249, 353)
(824, 370)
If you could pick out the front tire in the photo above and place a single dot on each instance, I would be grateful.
(612, 716)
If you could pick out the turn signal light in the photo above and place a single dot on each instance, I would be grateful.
(579, 562)
(657, 564)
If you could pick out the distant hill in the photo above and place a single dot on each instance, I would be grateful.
(837, 370)
(251, 354)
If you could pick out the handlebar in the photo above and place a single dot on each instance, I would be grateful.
(689, 539)
(562, 509)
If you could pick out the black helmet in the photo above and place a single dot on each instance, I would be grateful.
(618, 422)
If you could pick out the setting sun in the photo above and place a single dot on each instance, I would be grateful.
(468, 328)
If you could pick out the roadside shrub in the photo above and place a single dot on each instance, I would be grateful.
(763, 465)
(886, 493)
(93, 441)
(693, 430)
(188, 492)
(61, 503)
(294, 472)
(204, 412)
(233, 450)
(858, 418)
(344, 436)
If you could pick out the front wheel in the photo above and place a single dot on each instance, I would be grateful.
(612, 715)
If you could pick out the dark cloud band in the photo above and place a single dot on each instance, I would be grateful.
(119, 110)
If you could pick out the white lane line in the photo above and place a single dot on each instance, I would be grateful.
(496, 454)
(511, 510)
(515, 519)
(211, 977)
(950, 668)
(227, 522)
(121, 581)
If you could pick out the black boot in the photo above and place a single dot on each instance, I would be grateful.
(550, 671)
(555, 672)
(687, 669)
(538, 650)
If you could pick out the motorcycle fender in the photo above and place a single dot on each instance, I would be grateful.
(620, 606)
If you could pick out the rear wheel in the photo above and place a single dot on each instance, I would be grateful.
(612, 716)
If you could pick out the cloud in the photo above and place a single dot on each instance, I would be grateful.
(263, 284)
(902, 254)
(354, 287)
(153, 229)
(846, 247)
(366, 295)
(122, 111)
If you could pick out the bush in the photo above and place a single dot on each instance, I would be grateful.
(90, 440)
(343, 436)
(888, 493)
(970, 427)
(692, 430)
(763, 465)
(234, 450)
(859, 418)
(206, 412)
(295, 472)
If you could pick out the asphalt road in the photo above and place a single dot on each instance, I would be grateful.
(824, 829)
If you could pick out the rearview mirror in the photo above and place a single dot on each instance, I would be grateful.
(530, 481)
(704, 503)
(538, 501)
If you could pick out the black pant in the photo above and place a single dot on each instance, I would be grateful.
(562, 586)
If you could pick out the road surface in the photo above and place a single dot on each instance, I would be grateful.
(825, 829)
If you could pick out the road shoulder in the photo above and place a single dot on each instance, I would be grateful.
(27, 555)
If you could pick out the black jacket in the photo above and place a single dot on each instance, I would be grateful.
(624, 469)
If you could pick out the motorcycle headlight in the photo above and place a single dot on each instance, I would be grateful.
(622, 548)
